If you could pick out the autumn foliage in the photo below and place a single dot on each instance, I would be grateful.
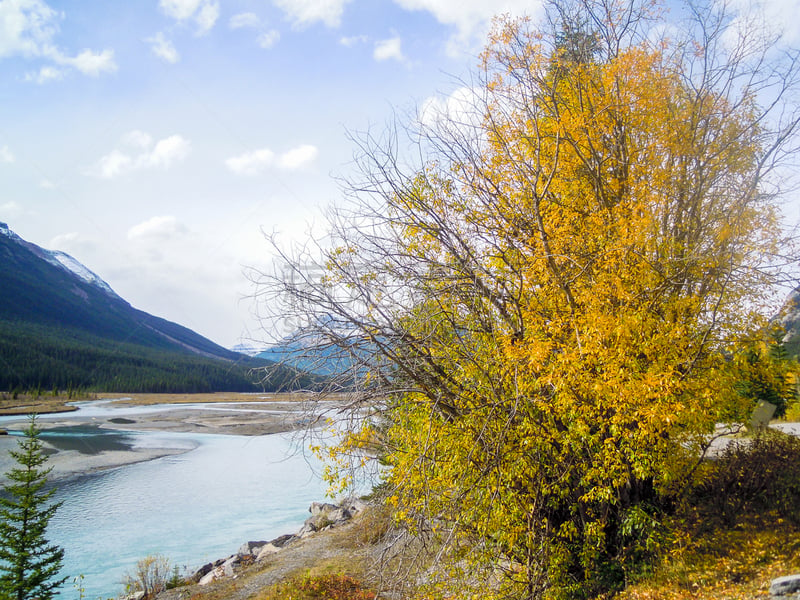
(545, 308)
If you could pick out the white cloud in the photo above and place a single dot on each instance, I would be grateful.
(251, 163)
(269, 38)
(771, 14)
(207, 16)
(298, 157)
(163, 154)
(353, 40)
(157, 228)
(246, 20)
(462, 106)
(471, 18)
(6, 156)
(45, 75)
(113, 164)
(390, 49)
(204, 13)
(163, 48)
(64, 241)
(27, 28)
(166, 152)
(257, 161)
(307, 12)
(88, 62)
(137, 139)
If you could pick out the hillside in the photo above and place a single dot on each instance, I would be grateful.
(62, 326)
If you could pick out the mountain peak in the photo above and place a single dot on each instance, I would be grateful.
(6, 232)
(65, 261)
(62, 260)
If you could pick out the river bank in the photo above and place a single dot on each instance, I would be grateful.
(99, 434)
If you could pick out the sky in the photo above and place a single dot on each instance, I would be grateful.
(158, 141)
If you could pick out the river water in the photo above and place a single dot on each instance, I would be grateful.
(192, 507)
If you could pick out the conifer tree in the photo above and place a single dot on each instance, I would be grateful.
(29, 564)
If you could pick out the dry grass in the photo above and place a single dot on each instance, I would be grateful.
(737, 564)
(25, 404)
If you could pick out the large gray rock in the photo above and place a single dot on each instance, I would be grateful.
(282, 540)
(324, 515)
(785, 587)
(266, 551)
(318, 508)
(213, 575)
(198, 575)
(251, 548)
(229, 566)
(355, 505)
(306, 530)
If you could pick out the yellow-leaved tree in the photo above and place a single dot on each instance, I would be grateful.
(538, 318)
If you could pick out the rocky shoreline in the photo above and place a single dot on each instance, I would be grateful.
(265, 555)
(324, 516)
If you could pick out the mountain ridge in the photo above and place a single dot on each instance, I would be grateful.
(62, 324)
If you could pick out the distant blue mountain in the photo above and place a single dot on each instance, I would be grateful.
(326, 360)
(315, 353)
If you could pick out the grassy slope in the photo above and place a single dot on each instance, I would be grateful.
(735, 564)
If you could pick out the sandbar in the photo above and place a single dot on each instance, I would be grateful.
(102, 435)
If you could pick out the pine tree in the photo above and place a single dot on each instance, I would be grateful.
(29, 564)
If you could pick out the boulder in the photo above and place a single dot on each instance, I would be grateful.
(323, 516)
(306, 530)
(317, 508)
(213, 575)
(230, 565)
(250, 548)
(281, 541)
(785, 587)
(267, 550)
(198, 575)
(355, 506)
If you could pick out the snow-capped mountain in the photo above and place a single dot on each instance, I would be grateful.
(62, 326)
(55, 257)
(54, 289)
(61, 260)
